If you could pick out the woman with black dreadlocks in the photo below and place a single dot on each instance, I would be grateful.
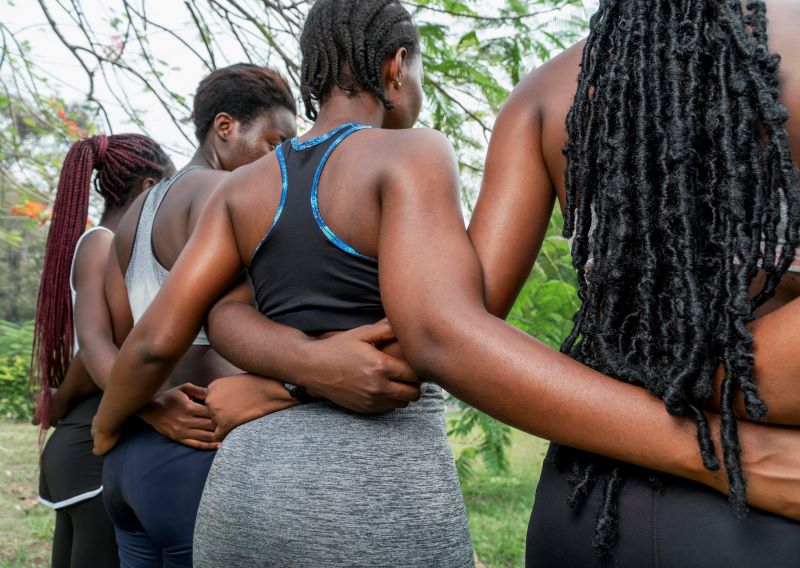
(680, 193)
(316, 485)
(71, 303)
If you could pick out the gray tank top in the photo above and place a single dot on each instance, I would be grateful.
(145, 274)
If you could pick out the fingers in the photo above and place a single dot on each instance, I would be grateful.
(193, 391)
(202, 424)
(376, 333)
(196, 435)
(398, 370)
(197, 409)
(201, 444)
(220, 433)
(403, 392)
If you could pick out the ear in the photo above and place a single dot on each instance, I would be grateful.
(396, 69)
(224, 125)
(146, 184)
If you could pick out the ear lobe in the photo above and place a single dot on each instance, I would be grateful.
(223, 124)
(396, 65)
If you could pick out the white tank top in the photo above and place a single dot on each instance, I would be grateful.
(72, 273)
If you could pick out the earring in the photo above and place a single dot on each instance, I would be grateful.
(397, 84)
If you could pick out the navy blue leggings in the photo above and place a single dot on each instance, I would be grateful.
(681, 525)
(152, 488)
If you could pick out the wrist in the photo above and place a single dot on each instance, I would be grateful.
(693, 462)
(298, 393)
(148, 411)
(309, 361)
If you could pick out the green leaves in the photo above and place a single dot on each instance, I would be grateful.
(15, 348)
(549, 299)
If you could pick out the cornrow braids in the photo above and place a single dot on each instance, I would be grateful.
(679, 184)
(344, 44)
(122, 162)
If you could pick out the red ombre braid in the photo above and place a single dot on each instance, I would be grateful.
(121, 161)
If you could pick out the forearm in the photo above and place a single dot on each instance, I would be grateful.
(99, 359)
(776, 345)
(522, 382)
(135, 378)
(77, 384)
(254, 343)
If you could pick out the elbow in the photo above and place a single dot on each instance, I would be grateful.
(433, 346)
(425, 347)
(153, 348)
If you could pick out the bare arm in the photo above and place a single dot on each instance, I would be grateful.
(346, 368)
(92, 317)
(433, 293)
(208, 265)
(510, 221)
(776, 347)
(76, 386)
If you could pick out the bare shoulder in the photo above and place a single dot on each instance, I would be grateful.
(250, 193)
(414, 160)
(91, 256)
(247, 182)
(412, 146)
(552, 79)
(126, 230)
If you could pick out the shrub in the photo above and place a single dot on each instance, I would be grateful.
(16, 402)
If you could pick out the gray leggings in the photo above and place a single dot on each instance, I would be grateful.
(317, 486)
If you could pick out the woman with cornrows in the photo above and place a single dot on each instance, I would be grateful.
(71, 306)
(315, 485)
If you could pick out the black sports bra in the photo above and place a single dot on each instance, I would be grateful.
(303, 274)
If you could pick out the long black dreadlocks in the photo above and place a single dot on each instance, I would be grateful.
(678, 171)
(344, 44)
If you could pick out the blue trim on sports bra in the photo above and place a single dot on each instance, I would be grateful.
(300, 146)
(284, 191)
(327, 231)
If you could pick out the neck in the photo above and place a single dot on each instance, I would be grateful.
(111, 218)
(206, 157)
(340, 108)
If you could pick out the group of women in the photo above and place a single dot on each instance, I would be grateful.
(673, 164)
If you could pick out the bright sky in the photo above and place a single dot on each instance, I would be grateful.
(67, 78)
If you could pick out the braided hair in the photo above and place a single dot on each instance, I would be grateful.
(680, 184)
(344, 44)
(122, 162)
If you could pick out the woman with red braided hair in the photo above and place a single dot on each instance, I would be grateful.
(71, 297)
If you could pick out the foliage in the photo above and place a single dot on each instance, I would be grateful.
(15, 355)
(473, 55)
(21, 255)
(544, 309)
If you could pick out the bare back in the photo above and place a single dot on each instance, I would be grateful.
(540, 103)
(349, 190)
(172, 227)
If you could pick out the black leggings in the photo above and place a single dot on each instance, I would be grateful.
(84, 536)
(681, 525)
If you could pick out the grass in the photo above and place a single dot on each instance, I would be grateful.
(498, 506)
(26, 526)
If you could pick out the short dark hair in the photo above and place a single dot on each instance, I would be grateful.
(344, 43)
(244, 91)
